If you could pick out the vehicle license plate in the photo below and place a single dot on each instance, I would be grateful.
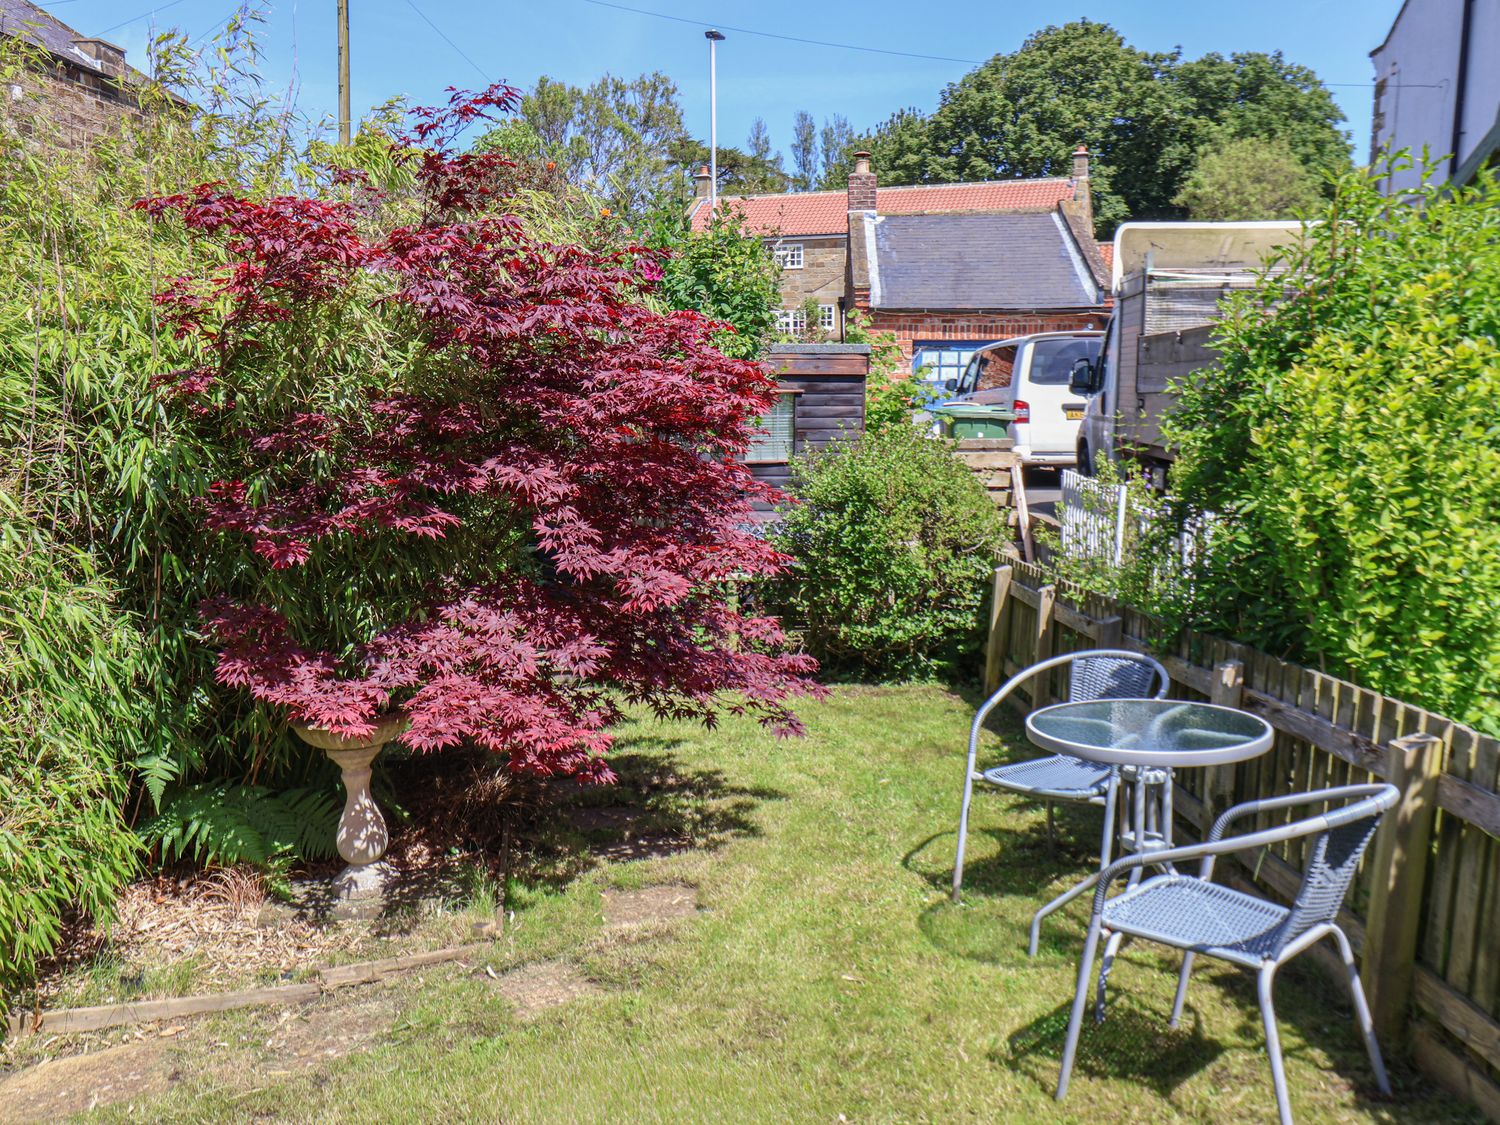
(1073, 413)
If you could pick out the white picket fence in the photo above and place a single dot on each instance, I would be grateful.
(1093, 516)
(1098, 519)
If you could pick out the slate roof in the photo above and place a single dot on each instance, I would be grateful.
(810, 213)
(1014, 260)
(24, 20)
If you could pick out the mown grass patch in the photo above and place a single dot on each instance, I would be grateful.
(824, 975)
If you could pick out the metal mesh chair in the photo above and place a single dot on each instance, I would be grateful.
(1197, 916)
(1095, 674)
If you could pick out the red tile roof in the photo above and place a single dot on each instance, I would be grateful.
(806, 213)
(1107, 252)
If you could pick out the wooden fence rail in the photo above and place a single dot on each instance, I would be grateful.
(1425, 910)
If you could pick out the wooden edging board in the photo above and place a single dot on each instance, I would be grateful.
(68, 1020)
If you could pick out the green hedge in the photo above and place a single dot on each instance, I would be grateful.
(1349, 442)
(893, 539)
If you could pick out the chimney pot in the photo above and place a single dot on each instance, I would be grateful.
(701, 180)
(861, 184)
(111, 59)
(1081, 162)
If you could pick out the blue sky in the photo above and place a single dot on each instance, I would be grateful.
(396, 51)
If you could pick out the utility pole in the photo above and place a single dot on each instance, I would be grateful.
(714, 39)
(343, 72)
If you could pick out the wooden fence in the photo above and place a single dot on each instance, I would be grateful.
(1425, 911)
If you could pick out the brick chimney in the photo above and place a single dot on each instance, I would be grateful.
(1083, 196)
(861, 184)
(111, 59)
(701, 181)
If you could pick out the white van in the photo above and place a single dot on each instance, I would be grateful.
(1030, 374)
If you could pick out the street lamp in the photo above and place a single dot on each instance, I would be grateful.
(714, 39)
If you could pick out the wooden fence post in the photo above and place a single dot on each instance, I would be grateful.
(1403, 851)
(1110, 632)
(1041, 690)
(1227, 689)
(994, 649)
(1023, 512)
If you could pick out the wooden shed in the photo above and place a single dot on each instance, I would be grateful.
(822, 400)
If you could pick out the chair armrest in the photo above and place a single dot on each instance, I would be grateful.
(1291, 800)
(1209, 851)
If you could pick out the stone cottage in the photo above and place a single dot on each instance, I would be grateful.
(944, 267)
(81, 86)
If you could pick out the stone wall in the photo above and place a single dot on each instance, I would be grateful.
(821, 276)
(73, 106)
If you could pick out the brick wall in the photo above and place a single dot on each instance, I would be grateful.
(910, 326)
(72, 105)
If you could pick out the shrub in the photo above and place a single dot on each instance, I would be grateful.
(466, 472)
(893, 539)
(892, 391)
(70, 711)
(1349, 441)
(723, 272)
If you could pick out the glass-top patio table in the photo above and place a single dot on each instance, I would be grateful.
(1142, 741)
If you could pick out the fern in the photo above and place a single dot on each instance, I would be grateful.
(224, 824)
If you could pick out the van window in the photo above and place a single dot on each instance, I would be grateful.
(996, 367)
(1053, 360)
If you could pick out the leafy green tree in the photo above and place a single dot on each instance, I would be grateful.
(1347, 444)
(740, 173)
(1249, 179)
(724, 272)
(901, 150)
(804, 151)
(613, 139)
(758, 144)
(836, 142)
(1253, 95)
(1143, 115)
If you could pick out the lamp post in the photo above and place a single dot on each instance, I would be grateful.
(714, 39)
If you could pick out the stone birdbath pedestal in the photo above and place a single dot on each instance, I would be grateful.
(362, 834)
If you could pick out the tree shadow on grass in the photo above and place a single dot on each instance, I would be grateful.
(660, 805)
(469, 824)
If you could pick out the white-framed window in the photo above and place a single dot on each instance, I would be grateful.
(939, 361)
(791, 321)
(788, 255)
(827, 318)
(777, 438)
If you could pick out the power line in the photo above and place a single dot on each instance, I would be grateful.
(448, 41)
(223, 23)
(143, 15)
(774, 35)
(906, 54)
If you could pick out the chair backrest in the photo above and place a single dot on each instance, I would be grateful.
(1113, 675)
(1332, 860)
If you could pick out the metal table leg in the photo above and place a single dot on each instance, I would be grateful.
(1106, 856)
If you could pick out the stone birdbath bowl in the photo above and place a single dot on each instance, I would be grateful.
(362, 834)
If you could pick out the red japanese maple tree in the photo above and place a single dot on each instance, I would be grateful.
(530, 514)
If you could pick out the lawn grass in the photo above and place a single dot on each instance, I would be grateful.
(827, 977)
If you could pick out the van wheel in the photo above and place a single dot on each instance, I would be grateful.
(1085, 463)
